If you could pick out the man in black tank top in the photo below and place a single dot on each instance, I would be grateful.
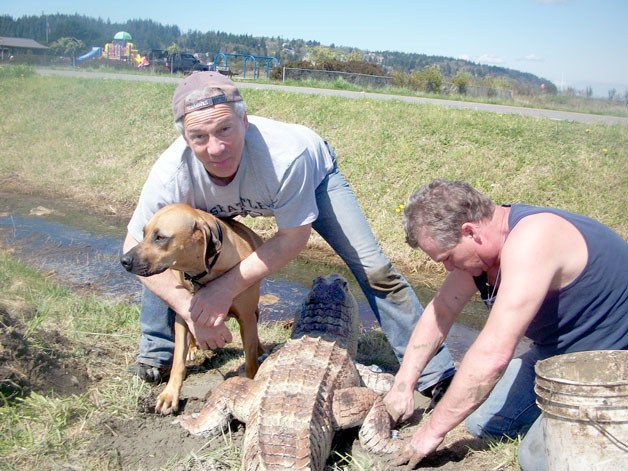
(556, 277)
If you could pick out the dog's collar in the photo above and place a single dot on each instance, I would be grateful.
(195, 279)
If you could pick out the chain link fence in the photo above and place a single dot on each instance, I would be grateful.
(475, 91)
(363, 80)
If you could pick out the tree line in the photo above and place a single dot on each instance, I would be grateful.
(149, 35)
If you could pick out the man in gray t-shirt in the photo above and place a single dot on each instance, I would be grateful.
(228, 164)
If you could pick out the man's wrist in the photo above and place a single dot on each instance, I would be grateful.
(403, 385)
(435, 425)
(228, 284)
(406, 378)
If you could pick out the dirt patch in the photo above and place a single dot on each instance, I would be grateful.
(150, 441)
(37, 363)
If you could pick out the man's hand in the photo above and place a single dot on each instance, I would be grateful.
(399, 402)
(421, 445)
(210, 338)
(209, 309)
(210, 305)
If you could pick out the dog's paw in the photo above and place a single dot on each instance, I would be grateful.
(192, 351)
(167, 403)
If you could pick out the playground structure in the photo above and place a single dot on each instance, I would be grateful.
(246, 57)
(95, 52)
(121, 48)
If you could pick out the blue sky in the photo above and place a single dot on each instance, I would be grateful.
(575, 43)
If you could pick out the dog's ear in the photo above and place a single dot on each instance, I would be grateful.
(213, 242)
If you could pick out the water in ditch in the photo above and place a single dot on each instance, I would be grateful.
(82, 250)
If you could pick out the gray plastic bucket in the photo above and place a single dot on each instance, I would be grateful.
(584, 400)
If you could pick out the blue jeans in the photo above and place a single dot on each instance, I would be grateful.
(511, 410)
(157, 327)
(343, 225)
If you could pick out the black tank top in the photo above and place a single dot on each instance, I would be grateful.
(591, 313)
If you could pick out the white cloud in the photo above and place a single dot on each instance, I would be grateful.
(490, 59)
(532, 57)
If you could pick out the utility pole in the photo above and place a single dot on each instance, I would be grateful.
(47, 25)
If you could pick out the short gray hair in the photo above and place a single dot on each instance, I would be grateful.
(238, 106)
(440, 208)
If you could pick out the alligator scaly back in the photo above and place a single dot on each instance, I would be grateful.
(330, 312)
(303, 392)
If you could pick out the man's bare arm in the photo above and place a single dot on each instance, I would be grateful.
(428, 335)
(211, 303)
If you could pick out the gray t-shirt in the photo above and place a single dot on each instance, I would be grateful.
(282, 164)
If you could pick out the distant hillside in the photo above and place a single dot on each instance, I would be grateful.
(148, 35)
(449, 67)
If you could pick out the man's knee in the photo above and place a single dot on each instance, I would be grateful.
(386, 280)
(476, 426)
(484, 424)
(493, 427)
(155, 313)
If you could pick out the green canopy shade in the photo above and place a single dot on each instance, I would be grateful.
(122, 36)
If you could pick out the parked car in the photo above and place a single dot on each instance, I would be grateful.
(184, 62)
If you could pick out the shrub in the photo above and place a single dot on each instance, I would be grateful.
(462, 80)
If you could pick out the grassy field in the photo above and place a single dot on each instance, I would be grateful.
(94, 141)
(559, 102)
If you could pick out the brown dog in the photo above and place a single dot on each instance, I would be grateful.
(198, 248)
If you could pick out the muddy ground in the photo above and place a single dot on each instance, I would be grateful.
(150, 442)
(41, 364)
(146, 443)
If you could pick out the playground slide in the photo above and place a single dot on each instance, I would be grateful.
(95, 52)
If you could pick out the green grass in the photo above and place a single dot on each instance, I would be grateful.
(36, 429)
(42, 430)
(96, 139)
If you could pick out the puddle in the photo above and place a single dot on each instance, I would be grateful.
(82, 251)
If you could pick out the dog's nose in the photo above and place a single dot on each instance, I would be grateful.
(127, 262)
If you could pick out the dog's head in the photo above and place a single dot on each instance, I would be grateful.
(177, 237)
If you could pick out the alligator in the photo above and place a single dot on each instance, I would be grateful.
(305, 391)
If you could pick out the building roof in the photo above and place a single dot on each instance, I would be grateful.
(20, 42)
